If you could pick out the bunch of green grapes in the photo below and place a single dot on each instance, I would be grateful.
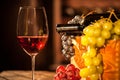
(93, 63)
(96, 33)
(94, 37)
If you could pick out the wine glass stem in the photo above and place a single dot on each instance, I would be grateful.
(33, 66)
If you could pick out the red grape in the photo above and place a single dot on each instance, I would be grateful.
(60, 68)
(61, 75)
(56, 77)
(70, 73)
(77, 75)
(70, 67)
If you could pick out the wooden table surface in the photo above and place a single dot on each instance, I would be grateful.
(26, 75)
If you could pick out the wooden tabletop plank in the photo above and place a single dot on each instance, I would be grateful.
(26, 75)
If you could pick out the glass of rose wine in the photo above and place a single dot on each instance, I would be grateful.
(32, 31)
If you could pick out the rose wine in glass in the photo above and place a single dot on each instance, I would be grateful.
(32, 31)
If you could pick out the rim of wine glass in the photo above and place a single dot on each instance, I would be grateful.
(36, 7)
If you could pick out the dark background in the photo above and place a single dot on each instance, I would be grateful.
(12, 57)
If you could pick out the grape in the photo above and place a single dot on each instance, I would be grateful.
(71, 75)
(64, 37)
(85, 30)
(97, 24)
(89, 31)
(92, 69)
(96, 61)
(100, 41)
(117, 22)
(71, 49)
(61, 75)
(64, 51)
(92, 52)
(56, 77)
(69, 41)
(102, 21)
(88, 61)
(84, 72)
(68, 52)
(91, 41)
(66, 47)
(94, 76)
(105, 34)
(117, 29)
(70, 67)
(108, 25)
(68, 56)
(64, 43)
(79, 19)
(97, 32)
(60, 68)
(84, 40)
(100, 69)
(99, 56)
(77, 73)
(85, 55)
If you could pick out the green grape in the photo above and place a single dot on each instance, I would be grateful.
(88, 61)
(108, 25)
(117, 29)
(96, 61)
(94, 76)
(84, 72)
(99, 56)
(90, 31)
(100, 42)
(117, 22)
(102, 20)
(92, 52)
(106, 34)
(92, 69)
(91, 41)
(98, 25)
(86, 29)
(100, 69)
(84, 40)
(85, 55)
(97, 32)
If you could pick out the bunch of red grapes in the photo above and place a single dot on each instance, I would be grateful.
(70, 72)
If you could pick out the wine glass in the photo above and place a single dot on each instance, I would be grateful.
(32, 31)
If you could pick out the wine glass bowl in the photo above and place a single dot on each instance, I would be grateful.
(32, 31)
(32, 44)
